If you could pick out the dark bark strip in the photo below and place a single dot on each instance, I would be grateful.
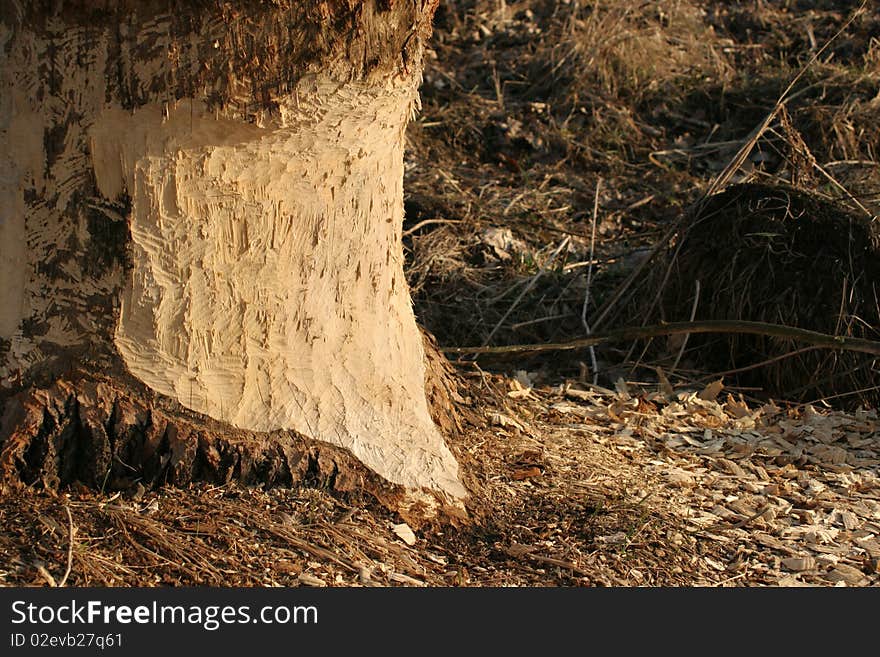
(239, 53)
(99, 432)
(109, 432)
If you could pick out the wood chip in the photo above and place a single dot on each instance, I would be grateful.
(405, 533)
(437, 558)
(711, 391)
(791, 581)
(612, 539)
(848, 519)
(799, 564)
(526, 473)
(501, 420)
(733, 468)
(520, 394)
(680, 476)
(848, 574)
(405, 579)
(517, 550)
(583, 395)
(736, 409)
(869, 545)
(310, 580)
(46, 575)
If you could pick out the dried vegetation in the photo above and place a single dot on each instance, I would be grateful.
(563, 146)
(573, 486)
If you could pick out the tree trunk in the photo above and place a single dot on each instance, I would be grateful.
(201, 206)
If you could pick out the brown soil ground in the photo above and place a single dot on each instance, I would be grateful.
(558, 143)
(572, 487)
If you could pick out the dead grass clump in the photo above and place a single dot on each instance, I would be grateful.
(781, 255)
(493, 288)
(630, 49)
(601, 65)
(843, 125)
(525, 106)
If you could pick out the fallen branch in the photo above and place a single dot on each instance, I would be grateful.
(820, 340)
(69, 548)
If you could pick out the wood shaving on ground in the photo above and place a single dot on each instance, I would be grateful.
(587, 487)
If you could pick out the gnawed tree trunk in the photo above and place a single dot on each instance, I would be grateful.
(200, 244)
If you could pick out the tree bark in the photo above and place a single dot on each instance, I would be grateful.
(201, 224)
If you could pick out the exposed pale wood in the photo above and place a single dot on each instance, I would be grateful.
(209, 197)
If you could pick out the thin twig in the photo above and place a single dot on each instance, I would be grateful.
(429, 222)
(687, 335)
(593, 362)
(739, 525)
(525, 290)
(840, 395)
(754, 366)
(839, 186)
(540, 320)
(757, 514)
(69, 548)
(559, 563)
(730, 579)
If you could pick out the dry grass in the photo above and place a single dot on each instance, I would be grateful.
(528, 104)
(780, 255)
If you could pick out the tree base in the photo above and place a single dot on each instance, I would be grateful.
(115, 434)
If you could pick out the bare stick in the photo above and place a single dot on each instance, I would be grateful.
(593, 361)
(69, 548)
(819, 340)
(763, 363)
(687, 335)
(526, 289)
